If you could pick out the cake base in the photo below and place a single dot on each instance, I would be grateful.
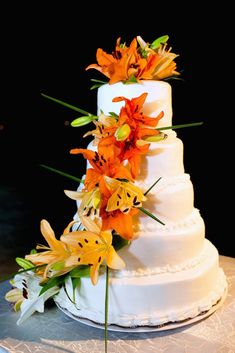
(163, 327)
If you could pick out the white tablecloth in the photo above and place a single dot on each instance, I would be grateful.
(55, 332)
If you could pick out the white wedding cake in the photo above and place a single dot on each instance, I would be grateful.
(172, 271)
(135, 253)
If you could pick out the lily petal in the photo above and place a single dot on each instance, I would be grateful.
(29, 306)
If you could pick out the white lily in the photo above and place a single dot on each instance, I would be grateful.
(30, 288)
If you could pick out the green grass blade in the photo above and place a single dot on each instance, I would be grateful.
(106, 309)
(2, 279)
(146, 192)
(150, 215)
(66, 105)
(180, 126)
(62, 173)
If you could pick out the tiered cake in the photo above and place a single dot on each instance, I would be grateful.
(135, 253)
(172, 271)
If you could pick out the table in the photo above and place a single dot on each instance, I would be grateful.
(55, 332)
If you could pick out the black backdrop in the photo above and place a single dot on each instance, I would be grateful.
(46, 51)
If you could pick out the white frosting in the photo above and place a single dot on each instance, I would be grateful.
(172, 272)
(160, 247)
(154, 299)
(158, 98)
(164, 158)
(171, 199)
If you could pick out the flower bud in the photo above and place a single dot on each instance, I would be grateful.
(122, 132)
(157, 42)
(83, 120)
(13, 295)
(156, 138)
(25, 264)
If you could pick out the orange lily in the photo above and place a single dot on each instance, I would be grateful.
(132, 112)
(128, 62)
(57, 256)
(116, 220)
(124, 63)
(95, 248)
(160, 64)
(120, 222)
(101, 166)
(125, 195)
(104, 127)
(137, 127)
(134, 146)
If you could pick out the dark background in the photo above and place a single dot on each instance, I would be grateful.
(46, 51)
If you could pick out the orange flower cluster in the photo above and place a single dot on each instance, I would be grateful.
(139, 61)
(109, 190)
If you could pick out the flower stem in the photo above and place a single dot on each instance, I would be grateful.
(179, 126)
(62, 173)
(19, 272)
(67, 105)
(146, 192)
(106, 309)
(150, 215)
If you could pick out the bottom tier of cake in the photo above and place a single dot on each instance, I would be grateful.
(152, 299)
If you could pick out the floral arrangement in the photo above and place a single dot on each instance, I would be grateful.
(139, 61)
(108, 198)
(109, 201)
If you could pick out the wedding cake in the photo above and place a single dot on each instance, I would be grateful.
(172, 271)
(135, 208)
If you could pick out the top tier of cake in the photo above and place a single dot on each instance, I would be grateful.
(158, 98)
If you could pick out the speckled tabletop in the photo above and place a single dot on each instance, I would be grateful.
(55, 332)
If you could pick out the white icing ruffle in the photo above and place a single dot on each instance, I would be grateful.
(184, 266)
(150, 225)
(155, 318)
(164, 182)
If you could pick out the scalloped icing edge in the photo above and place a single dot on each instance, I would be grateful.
(151, 225)
(154, 320)
(184, 266)
(164, 182)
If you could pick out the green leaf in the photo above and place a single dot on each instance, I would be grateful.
(76, 281)
(25, 264)
(114, 115)
(173, 77)
(52, 282)
(58, 266)
(66, 104)
(83, 120)
(106, 309)
(33, 251)
(62, 173)
(180, 126)
(95, 86)
(98, 84)
(80, 271)
(99, 81)
(157, 42)
(150, 215)
(131, 79)
(144, 53)
(146, 192)
(19, 272)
